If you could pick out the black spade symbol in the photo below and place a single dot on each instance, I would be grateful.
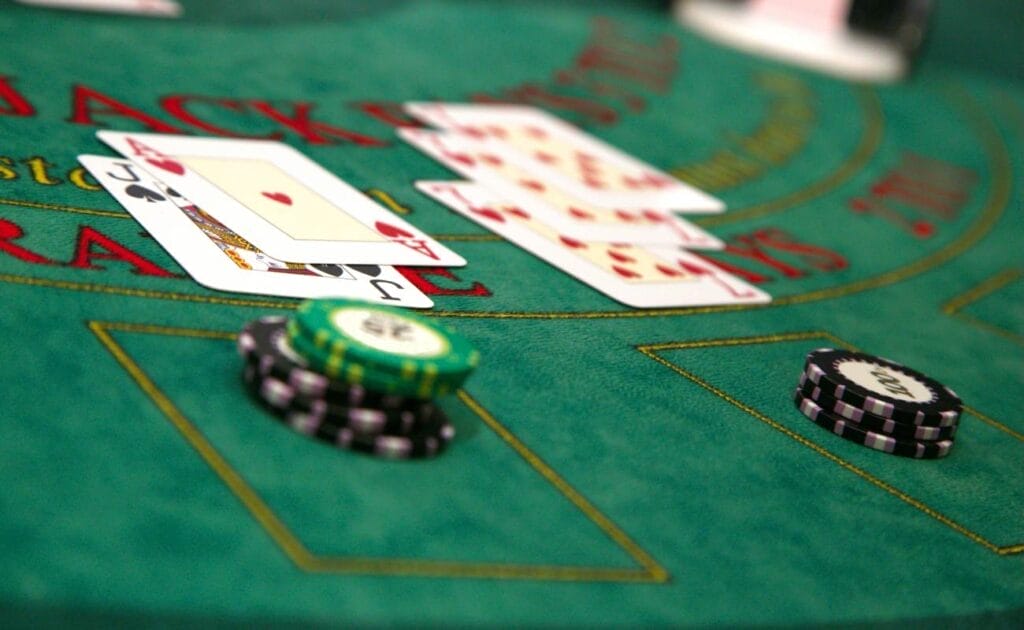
(141, 192)
(334, 271)
(367, 270)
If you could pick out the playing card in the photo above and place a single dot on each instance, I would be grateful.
(644, 276)
(818, 15)
(155, 8)
(218, 258)
(281, 201)
(568, 157)
(570, 215)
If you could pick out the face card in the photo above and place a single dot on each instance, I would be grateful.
(553, 205)
(642, 276)
(568, 157)
(218, 258)
(281, 201)
(153, 8)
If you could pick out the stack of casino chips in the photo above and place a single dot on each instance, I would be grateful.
(878, 403)
(360, 376)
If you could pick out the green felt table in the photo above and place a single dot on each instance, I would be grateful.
(612, 466)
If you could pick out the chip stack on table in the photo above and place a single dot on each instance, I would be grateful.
(357, 375)
(878, 403)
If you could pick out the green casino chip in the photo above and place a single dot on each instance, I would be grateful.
(379, 345)
(370, 379)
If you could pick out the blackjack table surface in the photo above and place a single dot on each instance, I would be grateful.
(612, 466)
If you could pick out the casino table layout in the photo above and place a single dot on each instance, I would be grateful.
(612, 466)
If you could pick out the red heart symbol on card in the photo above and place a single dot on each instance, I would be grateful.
(536, 132)
(694, 269)
(657, 181)
(533, 184)
(462, 158)
(625, 273)
(279, 197)
(580, 214)
(392, 231)
(473, 132)
(168, 165)
(668, 271)
(622, 258)
(573, 243)
(489, 213)
(545, 157)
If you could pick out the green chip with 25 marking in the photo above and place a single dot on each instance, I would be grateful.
(357, 340)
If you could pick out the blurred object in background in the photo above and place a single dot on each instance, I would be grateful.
(860, 40)
(147, 8)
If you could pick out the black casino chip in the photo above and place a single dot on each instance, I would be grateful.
(904, 22)
(264, 343)
(280, 397)
(427, 441)
(346, 416)
(869, 421)
(883, 388)
(427, 437)
(888, 444)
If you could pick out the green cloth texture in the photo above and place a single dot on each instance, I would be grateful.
(612, 467)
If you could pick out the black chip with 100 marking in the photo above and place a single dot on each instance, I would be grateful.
(848, 430)
(869, 421)
(882, 387)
